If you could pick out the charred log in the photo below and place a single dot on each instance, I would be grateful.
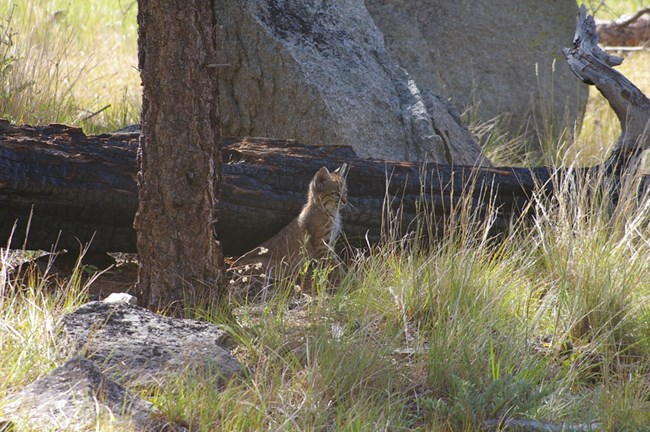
(69, 189)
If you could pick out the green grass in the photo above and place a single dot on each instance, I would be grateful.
(31, 308)
(600, 129)
(65, 60)
(590, 145)
(613, 9)
(551, 322)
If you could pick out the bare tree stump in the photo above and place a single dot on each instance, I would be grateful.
(594, 66)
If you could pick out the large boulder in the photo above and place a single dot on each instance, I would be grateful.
(124, 347)
(319, 72)
(501, 57)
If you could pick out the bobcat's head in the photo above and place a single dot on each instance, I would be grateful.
(329, 189)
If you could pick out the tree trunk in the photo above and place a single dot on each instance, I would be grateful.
(80, 187)
(179, 156)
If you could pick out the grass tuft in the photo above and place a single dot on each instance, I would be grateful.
(64, 61)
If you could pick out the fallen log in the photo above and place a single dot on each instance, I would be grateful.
(78, 188)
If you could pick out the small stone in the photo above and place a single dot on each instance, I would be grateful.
(121, 298)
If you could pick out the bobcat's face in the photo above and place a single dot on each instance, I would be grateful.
(330, 189)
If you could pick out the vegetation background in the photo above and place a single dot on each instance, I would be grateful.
(551, 322)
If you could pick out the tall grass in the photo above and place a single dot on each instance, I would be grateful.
(600, 129)
(66, 60)
(547, 322)
(31, 307)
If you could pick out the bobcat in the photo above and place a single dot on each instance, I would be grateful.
(312, 234)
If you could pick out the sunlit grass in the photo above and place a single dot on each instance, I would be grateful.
(585, 144)
(31, 307)
(547, 322)
(600, 128)
(66, 60)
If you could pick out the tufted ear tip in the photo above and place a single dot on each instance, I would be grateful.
(342, 170)
(322, 175)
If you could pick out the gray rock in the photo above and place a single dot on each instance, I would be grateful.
(505, 56)
(77, 396)
(318, 72)
(135, 346)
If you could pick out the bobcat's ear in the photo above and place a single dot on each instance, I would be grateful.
(322, 175)
(342, 170)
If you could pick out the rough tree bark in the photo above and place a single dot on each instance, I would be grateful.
(179, 156)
